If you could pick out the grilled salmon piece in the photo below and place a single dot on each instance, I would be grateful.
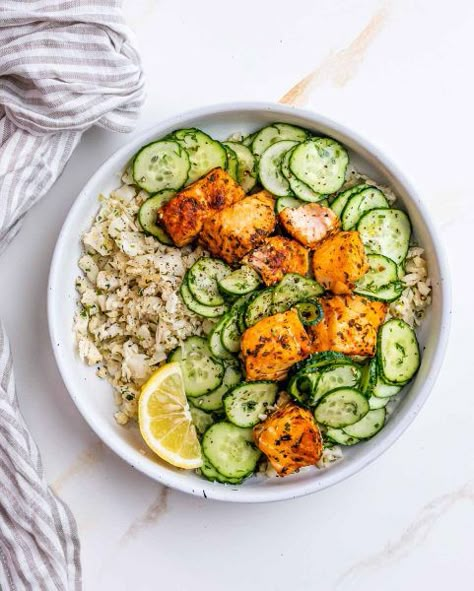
(290, 439)
(272, 345)
(349, 326)
(310, 224)
(183, 216)
(277, 256)
(339, 261)
(232, 232)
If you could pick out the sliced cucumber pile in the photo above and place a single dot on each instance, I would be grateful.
(363, 201)
(300, 189)
(340, 201)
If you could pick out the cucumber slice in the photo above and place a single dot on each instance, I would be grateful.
(340, 437)
(341, 200)
(386, 232)
(247, 169)
(230, 450)
(317, 360)
(385, 391)
(338, 376)
(161, 165)
(210, 473)
(230, 334)
(310, 313)
(201, 420)
(368, 426)
(215, 340)
(246, 403)
(292, 289)
(398, 353)
(232, 162)
(302, 385)
(203, 279)
(147, 215)
(260, 307)
(341, 407)
(248, 139)
(368, 377)
(284, 202)
(240, 282)
(360, 203)
(276, 132)
(269, 168)
(375, 402)
(195, 306)
(389, 293)
(321, 164)
(202, 373)
(213, 400)
(204, 152)
(382, 271)
(299, 188)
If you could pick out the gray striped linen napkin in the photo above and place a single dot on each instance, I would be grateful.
(65, 65)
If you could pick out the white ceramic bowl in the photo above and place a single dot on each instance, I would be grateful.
(93, 397)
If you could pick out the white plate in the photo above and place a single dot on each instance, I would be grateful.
(93, 396)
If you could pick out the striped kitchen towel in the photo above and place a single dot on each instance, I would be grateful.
(65, 65)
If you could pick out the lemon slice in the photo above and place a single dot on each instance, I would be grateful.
(165, 420)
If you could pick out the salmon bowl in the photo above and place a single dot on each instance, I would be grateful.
(124, 362)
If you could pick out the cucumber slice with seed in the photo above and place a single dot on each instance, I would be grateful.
(161, 165)
(276, 132)
(341, 200)
(368, 426)
(341, 408)
(213, 400)
(231, 450)
(341, 437)
(386, 232)
(360, 203)
(204, 152)
(203, 279)
(299, 188)
(321, 164)
(240, 281)
(245, 403)
(260, 307)
(269, 168)
(294, 288)
(398, 353)
(195, 306)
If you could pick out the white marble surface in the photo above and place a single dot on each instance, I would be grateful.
(400, 73)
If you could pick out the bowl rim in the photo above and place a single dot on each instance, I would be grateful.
(178, 480)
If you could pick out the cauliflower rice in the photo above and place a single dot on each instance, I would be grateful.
(130, 315)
